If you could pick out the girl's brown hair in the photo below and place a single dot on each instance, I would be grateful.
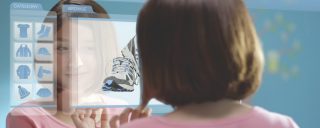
(195, 51)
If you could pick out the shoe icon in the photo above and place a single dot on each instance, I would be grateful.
(41, 29)
(44, 31)
(117, 85)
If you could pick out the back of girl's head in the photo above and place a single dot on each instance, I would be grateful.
(195, 51)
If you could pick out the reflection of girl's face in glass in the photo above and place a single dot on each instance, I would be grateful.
(78, 59)
(88, 59)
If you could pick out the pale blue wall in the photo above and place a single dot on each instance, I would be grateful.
(294, 94)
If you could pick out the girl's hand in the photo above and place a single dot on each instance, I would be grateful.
(87, 118)
(128, 115)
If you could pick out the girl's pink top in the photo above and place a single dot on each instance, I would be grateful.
(256, 118)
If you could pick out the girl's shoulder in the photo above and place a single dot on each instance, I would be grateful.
(28, 109)
(257, 117)
(32, 115)
(149, 122)
(264, 116)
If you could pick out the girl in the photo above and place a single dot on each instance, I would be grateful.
(202, 57)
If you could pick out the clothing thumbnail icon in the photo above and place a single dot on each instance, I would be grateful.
(44, 92)
(23, 71)
(44, 72)
(44, 52)
(23, 31)
(23, 51)
(23, 92)
(44, 31)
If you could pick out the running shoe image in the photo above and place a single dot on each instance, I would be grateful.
(125, 70)
(123, 76)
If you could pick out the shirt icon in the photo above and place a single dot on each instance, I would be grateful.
(23, 30)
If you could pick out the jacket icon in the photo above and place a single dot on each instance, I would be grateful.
(23, 51)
